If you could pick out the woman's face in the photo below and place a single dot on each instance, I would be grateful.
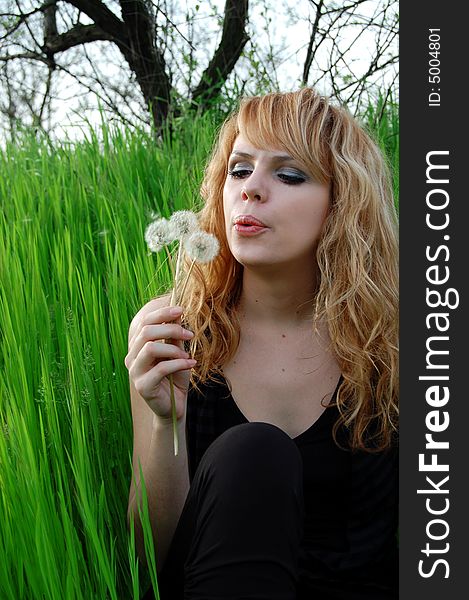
(274, 210)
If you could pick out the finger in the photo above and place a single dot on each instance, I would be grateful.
(155, 317)
(166, 331)
(151, 351)
(159, 318)
(163, 315)
(170, 332)
(179, 342)
(169, 367)
(153, 378)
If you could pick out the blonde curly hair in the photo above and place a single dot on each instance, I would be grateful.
(357, 255)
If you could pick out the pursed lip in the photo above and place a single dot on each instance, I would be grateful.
(248, 220)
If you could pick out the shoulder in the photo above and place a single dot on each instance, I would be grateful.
(151, 306)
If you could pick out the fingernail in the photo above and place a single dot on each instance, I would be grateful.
(175, 311)
(187, 334)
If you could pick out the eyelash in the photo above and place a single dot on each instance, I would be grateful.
(289, 179)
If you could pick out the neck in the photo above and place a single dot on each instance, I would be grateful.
(277, 299)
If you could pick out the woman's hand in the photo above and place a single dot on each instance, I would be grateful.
(156, 350)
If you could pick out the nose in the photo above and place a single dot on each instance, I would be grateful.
(251, 194)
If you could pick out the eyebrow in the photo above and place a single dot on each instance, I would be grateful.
(276, 157)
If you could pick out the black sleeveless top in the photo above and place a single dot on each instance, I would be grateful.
(350, 498)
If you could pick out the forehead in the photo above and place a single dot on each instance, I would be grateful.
(244, 149)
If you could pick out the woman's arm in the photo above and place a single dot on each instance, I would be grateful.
(166, 476)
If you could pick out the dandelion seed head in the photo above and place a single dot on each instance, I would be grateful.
(158, 234)
(202, 247)
(183, 223)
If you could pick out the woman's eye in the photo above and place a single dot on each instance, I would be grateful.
(239, 172)
(291, 179)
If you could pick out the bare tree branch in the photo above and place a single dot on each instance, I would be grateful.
(25, 55)
(103, 17)
(26, 24)
(92, 90)
(231, 45)
(21, 17)
(46, 96)
(145, 58)
(310, 53)
(327, 26)
(80, 34)
(158, 49)
(172, 23)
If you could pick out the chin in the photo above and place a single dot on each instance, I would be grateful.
(251, 261)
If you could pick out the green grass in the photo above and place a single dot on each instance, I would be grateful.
(382, 122)
(74, 269)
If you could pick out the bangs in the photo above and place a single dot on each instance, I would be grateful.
(286, 123)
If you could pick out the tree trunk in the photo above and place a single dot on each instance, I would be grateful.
(145, 59)
(233, 40)
(135, 36)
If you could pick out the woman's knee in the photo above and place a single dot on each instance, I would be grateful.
(255, 453)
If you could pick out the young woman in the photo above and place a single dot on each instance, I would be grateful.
(285, 486)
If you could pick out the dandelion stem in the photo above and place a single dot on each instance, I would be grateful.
(173, 302)
(173, 404)
(186, 280)
(174, 416)
(199, 246)
(176, 277)
(170, 260)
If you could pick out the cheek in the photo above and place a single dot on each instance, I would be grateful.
(323, 212)
(225, 208)
(306, 223)
(227, 215)
(321, 209)
(228, 202)
(313, 210)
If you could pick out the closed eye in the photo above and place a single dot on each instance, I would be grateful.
(239, 173)
(288, 176)
(291, 179)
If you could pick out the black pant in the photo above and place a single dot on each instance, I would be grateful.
(240, 530)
